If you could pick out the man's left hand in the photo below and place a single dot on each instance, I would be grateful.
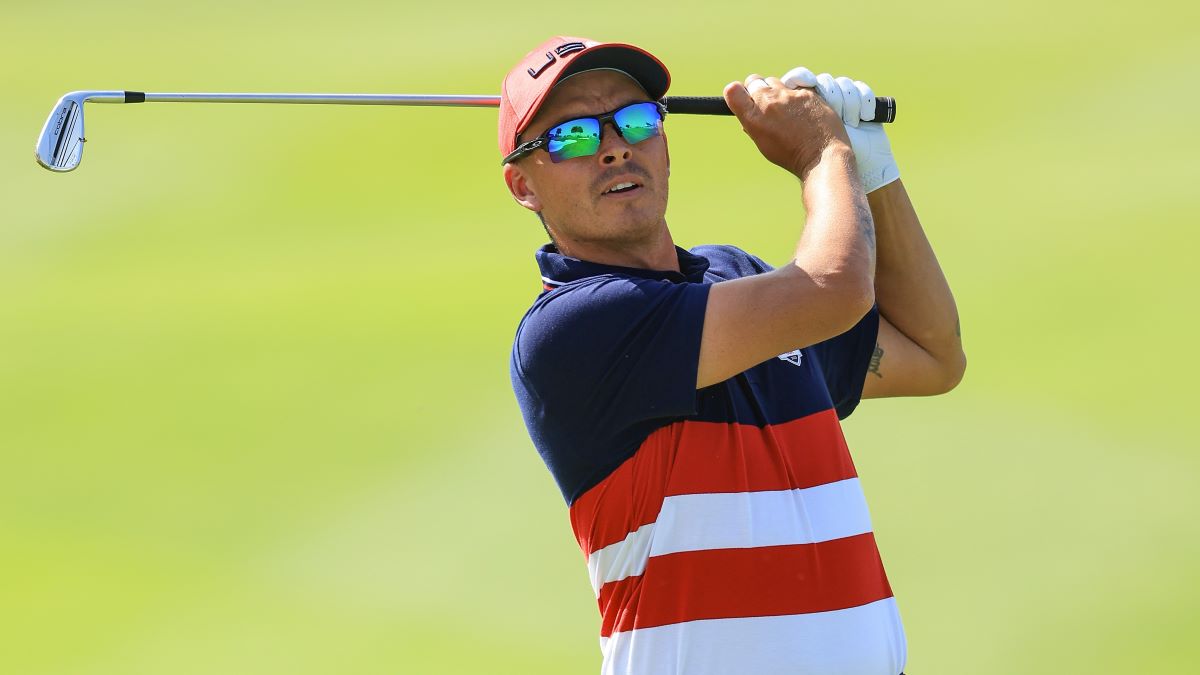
(854, 102)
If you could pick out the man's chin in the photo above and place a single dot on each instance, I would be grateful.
(641, 207)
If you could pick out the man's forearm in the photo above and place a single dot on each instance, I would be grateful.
(839, 234)
(910, 289)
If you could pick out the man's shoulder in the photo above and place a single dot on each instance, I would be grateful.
(589, 294)
(730, 262)
(580, 312)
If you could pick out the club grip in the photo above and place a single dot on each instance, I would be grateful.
(885, 107)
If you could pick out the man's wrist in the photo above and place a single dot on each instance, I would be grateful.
(873, 155)
(835, 153)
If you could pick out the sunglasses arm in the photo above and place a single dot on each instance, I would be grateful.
(522, 150)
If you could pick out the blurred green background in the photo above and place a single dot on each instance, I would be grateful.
(255, 414)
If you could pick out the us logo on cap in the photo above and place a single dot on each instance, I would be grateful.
(561, 50)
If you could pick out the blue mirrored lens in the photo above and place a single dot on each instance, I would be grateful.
(575, 138)
(639, 122)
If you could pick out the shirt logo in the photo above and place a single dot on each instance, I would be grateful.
(792, 357)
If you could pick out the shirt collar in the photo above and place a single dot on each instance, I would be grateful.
(558, 269)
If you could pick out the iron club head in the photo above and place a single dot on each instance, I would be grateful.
(60, 145)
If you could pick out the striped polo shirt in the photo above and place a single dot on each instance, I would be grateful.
(725, 529)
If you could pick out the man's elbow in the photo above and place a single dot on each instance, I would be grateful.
(952, 371)
(844, 296)
(854, 295)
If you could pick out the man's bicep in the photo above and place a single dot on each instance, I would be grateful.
(751, 319)
(899, 367)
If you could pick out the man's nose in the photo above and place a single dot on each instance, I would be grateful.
(613, 148)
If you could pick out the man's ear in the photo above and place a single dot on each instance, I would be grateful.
(521, 188)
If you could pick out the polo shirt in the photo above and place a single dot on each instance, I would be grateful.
(724, 528)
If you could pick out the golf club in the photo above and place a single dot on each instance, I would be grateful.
(60, 145)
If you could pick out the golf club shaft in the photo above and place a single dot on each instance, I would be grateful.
(885, 106)
(60, 145)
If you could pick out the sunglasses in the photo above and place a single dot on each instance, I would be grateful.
(580, 137)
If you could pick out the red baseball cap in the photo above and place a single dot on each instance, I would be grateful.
(529, 82)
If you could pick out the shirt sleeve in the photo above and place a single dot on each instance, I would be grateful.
(617, 349)
(597, 364)
(844, 360)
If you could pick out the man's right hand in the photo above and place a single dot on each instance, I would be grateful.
(791, 127)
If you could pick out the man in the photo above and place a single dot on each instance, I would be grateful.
(687, 403)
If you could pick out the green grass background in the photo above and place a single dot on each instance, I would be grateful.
(255, 414)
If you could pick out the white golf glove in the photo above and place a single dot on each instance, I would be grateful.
(855, 103)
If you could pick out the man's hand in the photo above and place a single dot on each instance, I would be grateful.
(791, 127)
(854, 102)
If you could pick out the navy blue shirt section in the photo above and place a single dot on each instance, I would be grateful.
(610, 354)
(843, 360)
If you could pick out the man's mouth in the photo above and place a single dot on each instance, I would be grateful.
(622, 187)
(625, 182)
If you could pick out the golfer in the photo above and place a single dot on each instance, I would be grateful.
(687, 402)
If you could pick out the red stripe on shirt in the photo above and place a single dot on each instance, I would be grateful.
(692, 457)
(744, 582)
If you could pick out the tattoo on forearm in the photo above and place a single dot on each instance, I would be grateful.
(876, 357)
(867, 223)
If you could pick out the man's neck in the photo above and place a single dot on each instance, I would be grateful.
(657, 254)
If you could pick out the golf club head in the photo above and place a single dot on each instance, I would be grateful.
(60, 145)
